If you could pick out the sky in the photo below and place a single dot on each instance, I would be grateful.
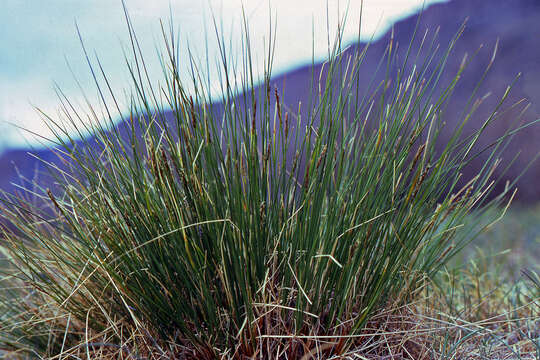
(40, 47)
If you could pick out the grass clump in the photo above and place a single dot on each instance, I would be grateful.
(243, 229)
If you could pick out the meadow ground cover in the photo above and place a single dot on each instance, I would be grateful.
(244, 230)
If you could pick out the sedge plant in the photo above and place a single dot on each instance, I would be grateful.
(229, 225)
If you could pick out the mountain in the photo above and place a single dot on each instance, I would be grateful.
(512, 26)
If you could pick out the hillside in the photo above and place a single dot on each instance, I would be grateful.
(515, 23)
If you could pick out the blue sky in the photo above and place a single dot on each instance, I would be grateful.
(38, 39)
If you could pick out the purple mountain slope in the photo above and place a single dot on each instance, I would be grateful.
(516, 26)
(516, 23)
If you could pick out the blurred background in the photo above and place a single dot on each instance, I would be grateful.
(41, 53)
(40, 44)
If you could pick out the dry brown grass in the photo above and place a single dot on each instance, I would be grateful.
(491, 326)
